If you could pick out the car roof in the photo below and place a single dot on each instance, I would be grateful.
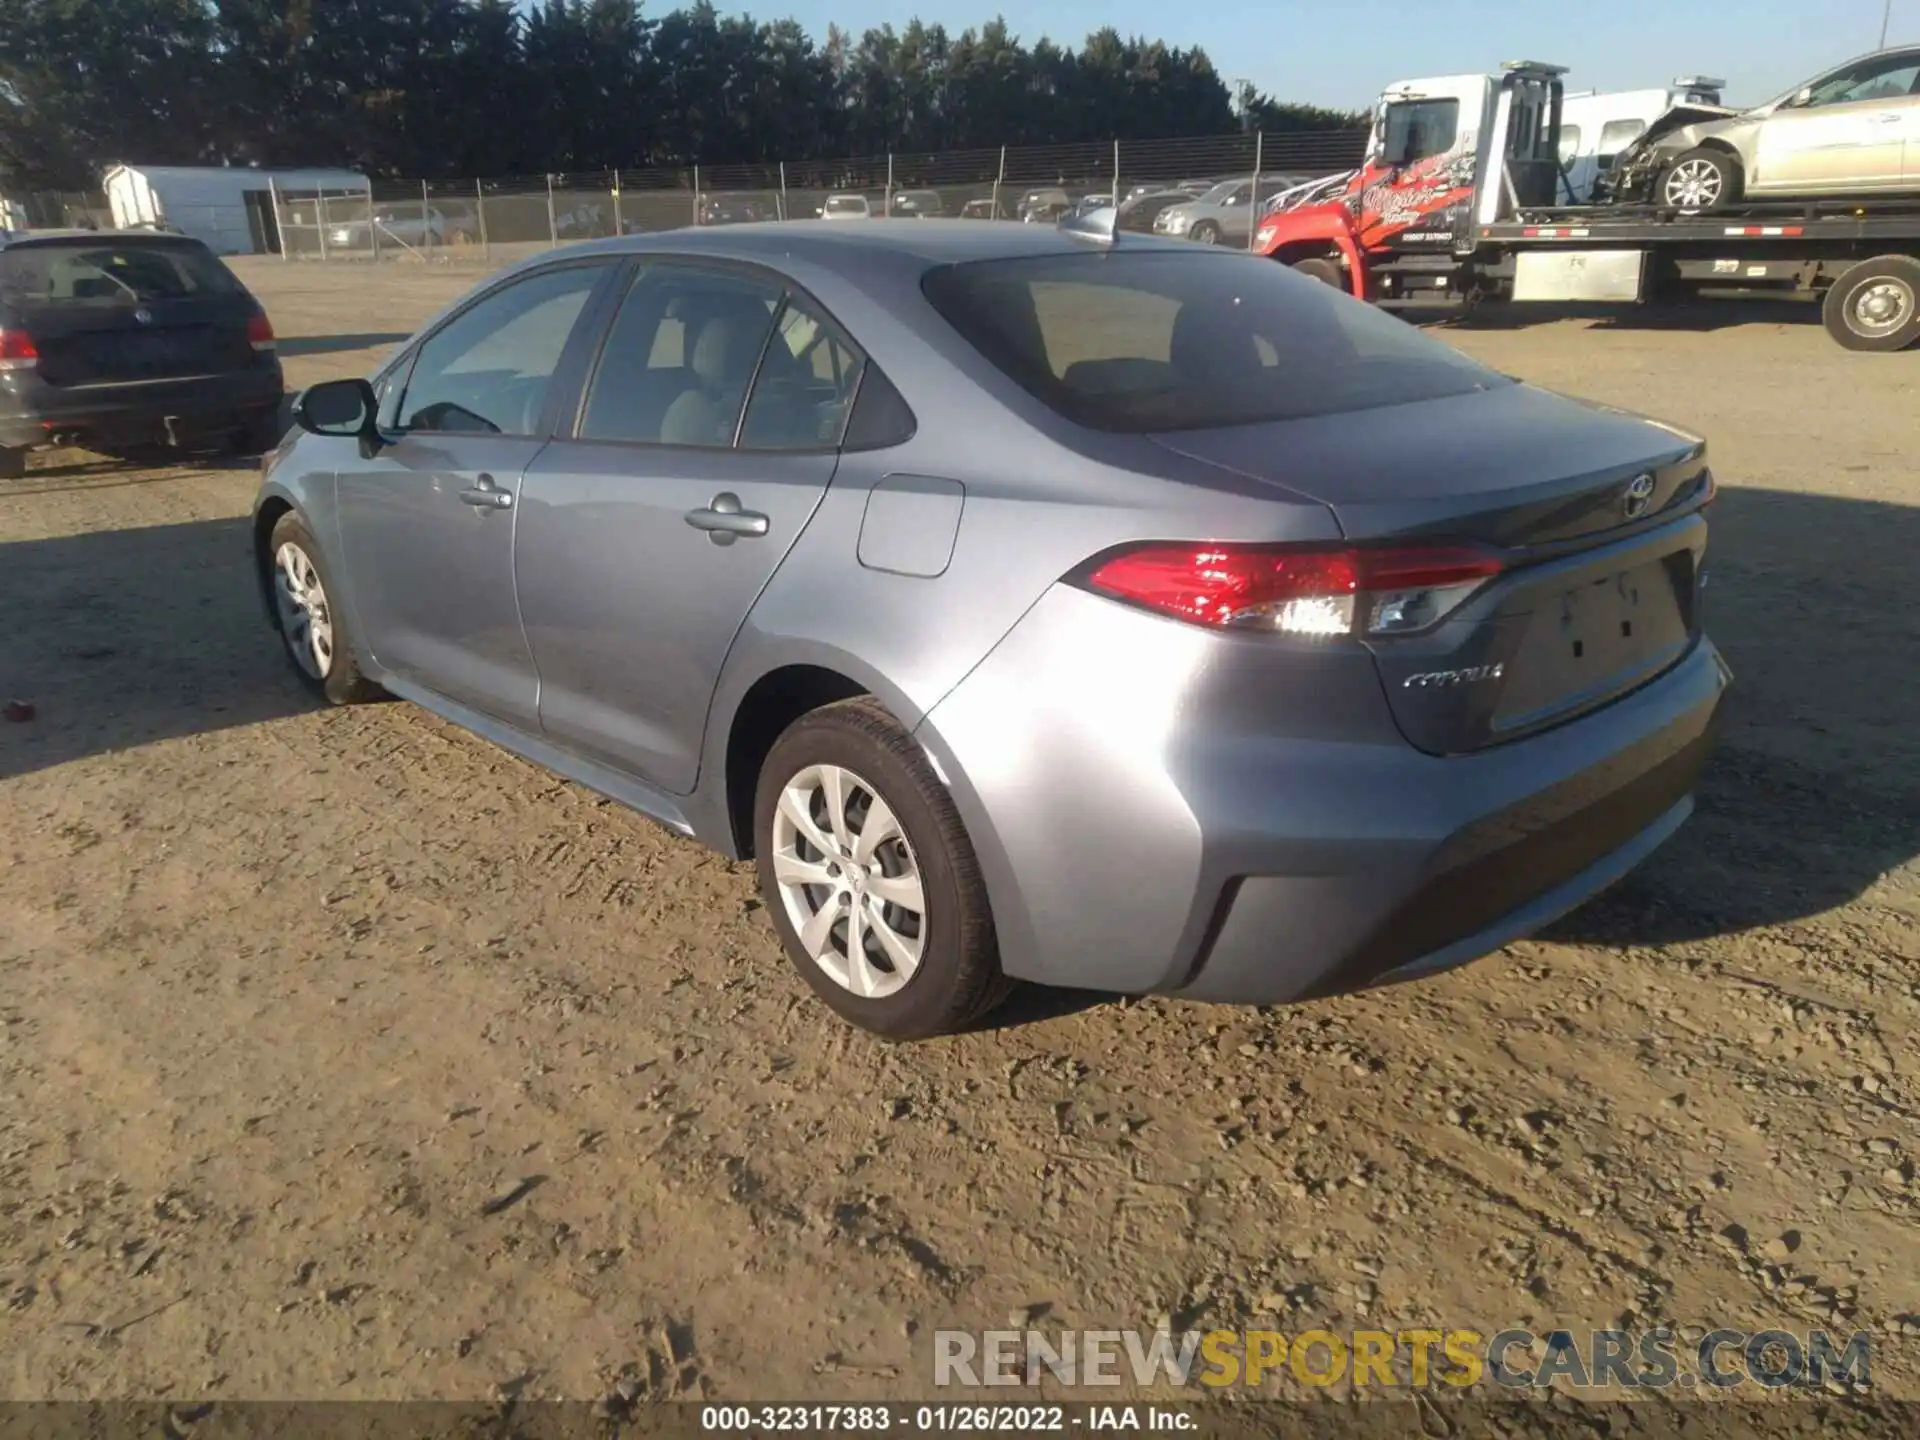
(831, 247)
(12, 239)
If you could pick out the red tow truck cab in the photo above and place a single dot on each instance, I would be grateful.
(1467, 197)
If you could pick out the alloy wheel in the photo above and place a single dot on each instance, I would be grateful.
(1694, 184)
(849, 881)
(306, 620)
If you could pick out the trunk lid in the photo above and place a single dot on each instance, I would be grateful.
(1597, 513)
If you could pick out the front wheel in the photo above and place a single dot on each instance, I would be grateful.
(1206, 233)
(1701, 181)
(312, 628)
(1875, 305)
(1326, 271)
(870, 878)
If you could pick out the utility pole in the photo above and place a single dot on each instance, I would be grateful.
(1886, 18)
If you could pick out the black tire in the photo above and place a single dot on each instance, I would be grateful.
(338, 681)
(958, 978)
(1205, 233)
(1887, 283)
(258, 435)
(1326, 271)
(13, 462)
(1715, 173)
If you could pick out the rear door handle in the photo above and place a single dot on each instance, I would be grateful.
(483, 494)
(724, 520)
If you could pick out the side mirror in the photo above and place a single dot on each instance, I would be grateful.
(344, 408)
(1803, 96)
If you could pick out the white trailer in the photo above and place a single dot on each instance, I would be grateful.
(228, 208)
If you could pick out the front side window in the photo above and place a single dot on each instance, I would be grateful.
(1153, 341)
(487, 371)
(679, 358)
(1886, 78)
(805, 386)
(1416, 129)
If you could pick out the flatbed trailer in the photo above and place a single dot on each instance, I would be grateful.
(1468, 227)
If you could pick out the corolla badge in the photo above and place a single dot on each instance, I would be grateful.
(143, 316)
(1637, 496)
(1447, 679)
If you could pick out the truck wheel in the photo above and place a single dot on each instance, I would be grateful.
(1701, 181)
(1875, 305)
(1326, 271)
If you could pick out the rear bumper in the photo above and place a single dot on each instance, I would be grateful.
(1158, 808)
(33, 412)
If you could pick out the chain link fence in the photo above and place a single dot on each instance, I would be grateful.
(493, 221)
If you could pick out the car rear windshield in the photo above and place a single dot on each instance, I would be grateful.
(1190, 340)
(845, 204)
(64, 272)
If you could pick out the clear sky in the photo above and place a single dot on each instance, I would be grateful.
(1340, 52)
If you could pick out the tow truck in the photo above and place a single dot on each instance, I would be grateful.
(1459, 205)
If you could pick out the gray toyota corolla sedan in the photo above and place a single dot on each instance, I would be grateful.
(1135, 616)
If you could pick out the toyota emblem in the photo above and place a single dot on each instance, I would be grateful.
(143, 316)
(1638, 496)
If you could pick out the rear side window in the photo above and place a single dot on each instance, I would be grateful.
(139, 272)
(1188, 340)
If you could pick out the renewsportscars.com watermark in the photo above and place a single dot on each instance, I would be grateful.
(1512, 1359)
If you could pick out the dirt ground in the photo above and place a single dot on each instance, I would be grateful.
(343, 1055)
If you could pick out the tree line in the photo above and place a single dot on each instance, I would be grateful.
(452, 88)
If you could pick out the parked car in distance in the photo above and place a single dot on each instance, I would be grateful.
(1016, 603)
(1851, 131)
(1043, 206)
(1087, 204)
(405, 225)
(1223, 215)
(916, 205)
(846, 207)
(983, 209)
(730, 210)
(112, 338)
(1142, 208)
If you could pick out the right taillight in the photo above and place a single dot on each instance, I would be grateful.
(17, 350)
(1298, 590)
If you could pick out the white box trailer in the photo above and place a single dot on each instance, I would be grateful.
(227, 208)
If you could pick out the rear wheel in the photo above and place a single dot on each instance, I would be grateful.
(312, 629)
(870, 878)
(13, 462)
(1323, 269)
(1875, 305)
(1701, 181)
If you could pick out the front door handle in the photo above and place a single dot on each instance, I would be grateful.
(724, 520)
(483, 494)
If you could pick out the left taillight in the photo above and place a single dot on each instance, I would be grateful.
(17, 350)
(1296, 590)
(259, 331)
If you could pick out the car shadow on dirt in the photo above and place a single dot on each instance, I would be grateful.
(1815, 791)
(120, 638)
(126, 637)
